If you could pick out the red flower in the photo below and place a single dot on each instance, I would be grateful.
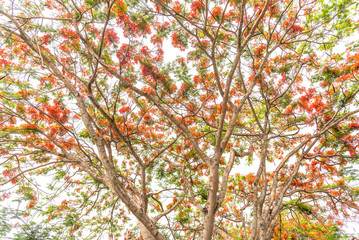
(217, 11)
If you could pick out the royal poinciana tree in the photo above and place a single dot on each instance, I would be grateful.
(167, 119)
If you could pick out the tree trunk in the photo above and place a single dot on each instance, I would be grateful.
(144, 232)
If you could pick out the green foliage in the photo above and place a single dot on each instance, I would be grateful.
(25, 229)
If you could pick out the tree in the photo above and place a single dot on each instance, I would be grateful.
(253, 126)
(12, 219)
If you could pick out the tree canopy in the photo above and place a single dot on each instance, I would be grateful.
(162, 119)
